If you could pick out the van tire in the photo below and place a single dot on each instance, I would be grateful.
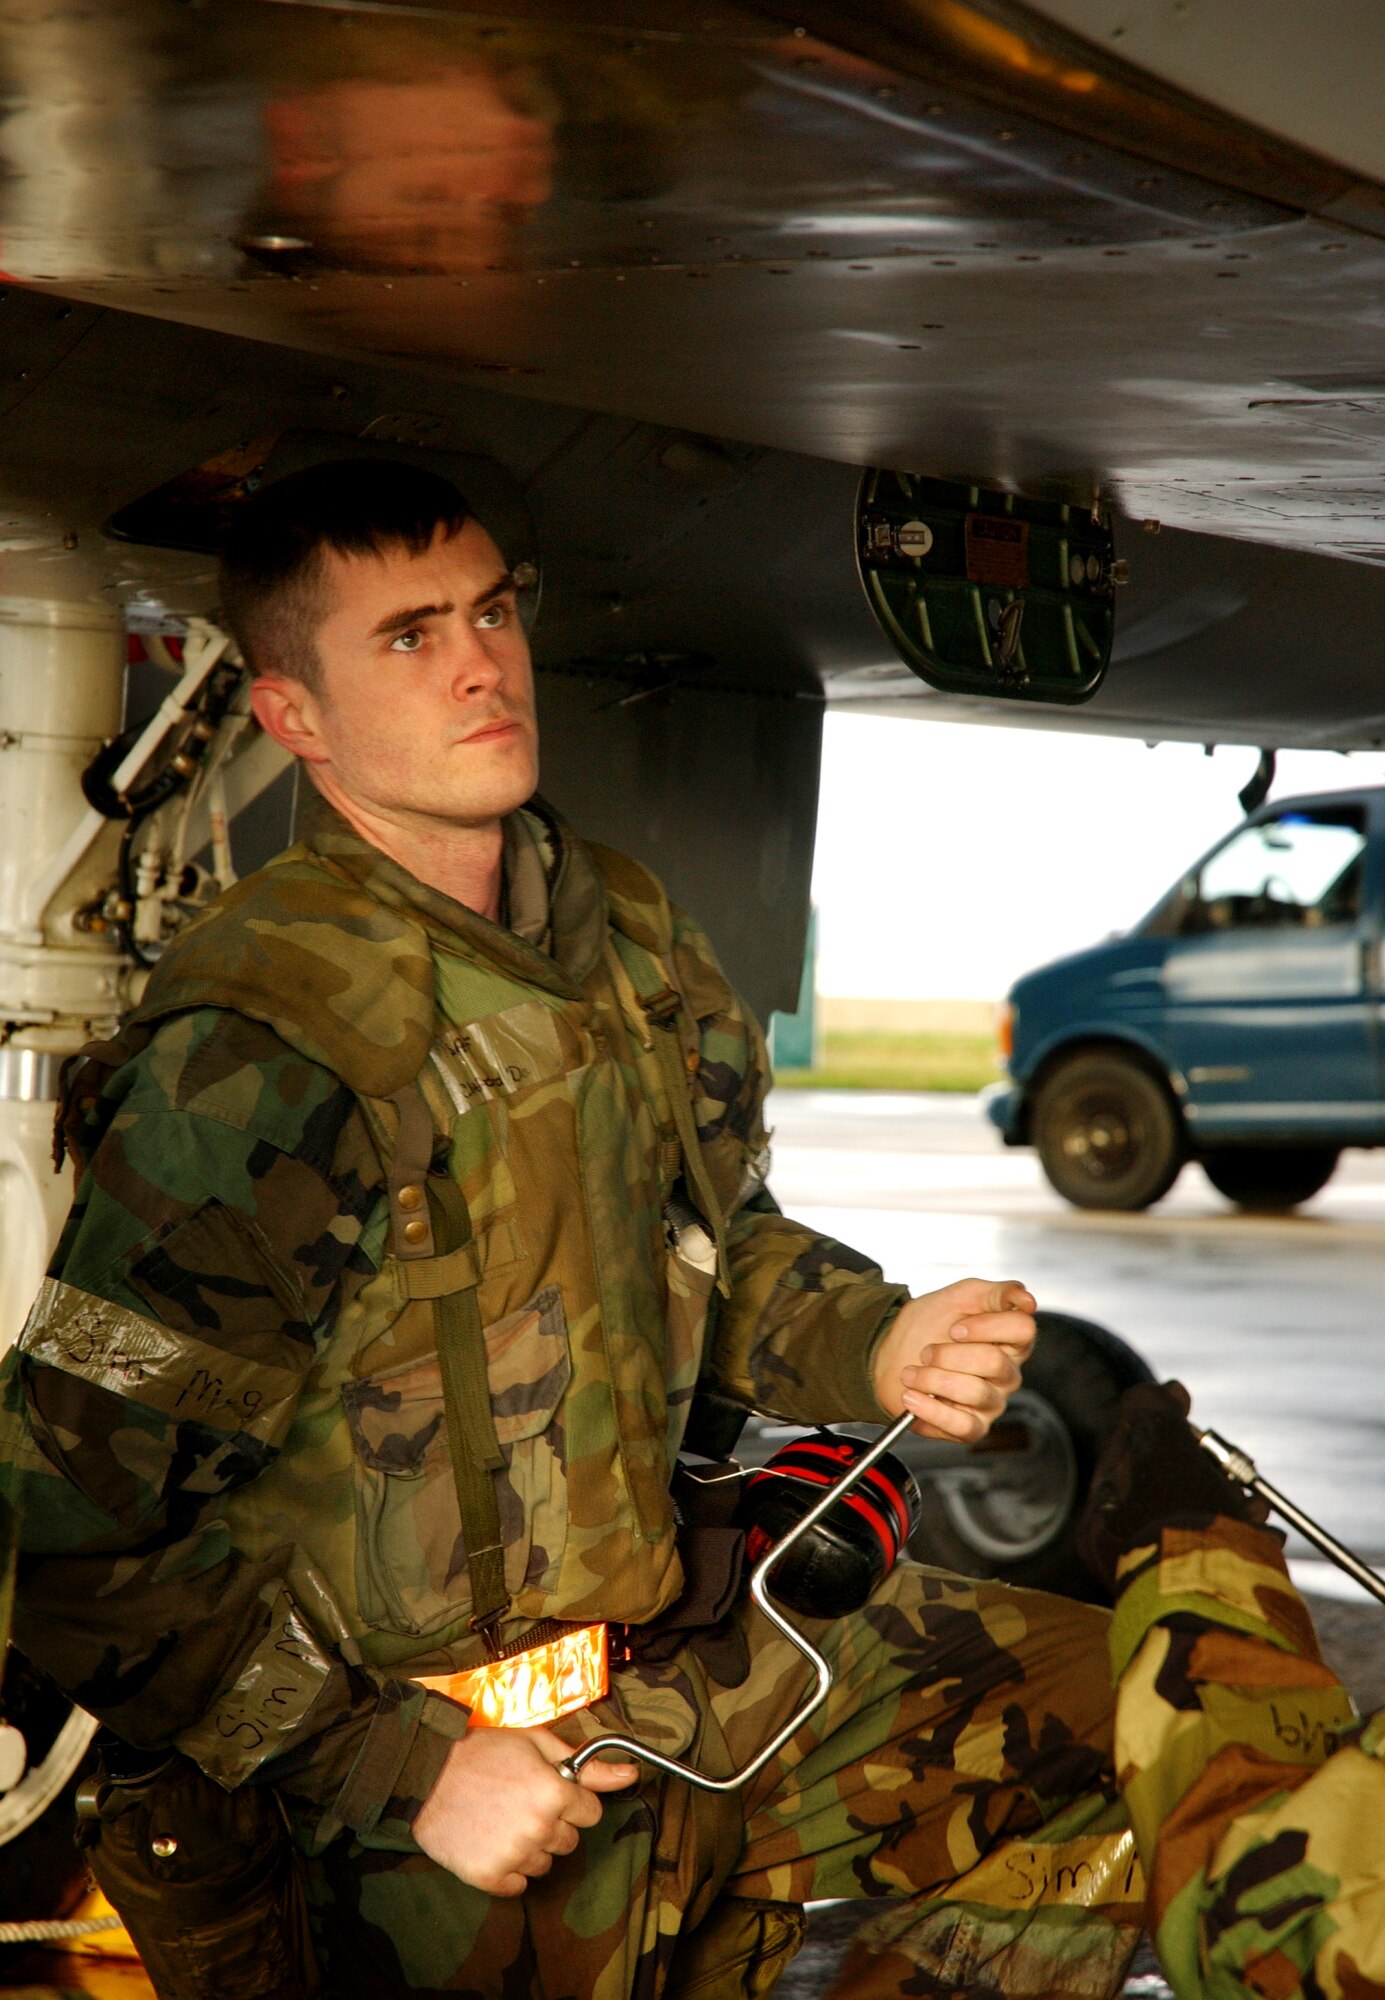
(1270, 1177)
(1107, 1132)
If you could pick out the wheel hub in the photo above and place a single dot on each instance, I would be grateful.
(1101, 1140)
(1010, 1506)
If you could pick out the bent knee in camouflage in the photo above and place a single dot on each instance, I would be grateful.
(1256, 1794)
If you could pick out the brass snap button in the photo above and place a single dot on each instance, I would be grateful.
(410, 1196)
(415, 1231)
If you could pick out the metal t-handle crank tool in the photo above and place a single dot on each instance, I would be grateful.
(759, 1580)
(1240, 1466)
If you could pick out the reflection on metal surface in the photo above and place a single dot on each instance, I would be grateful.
(384, 174)
(915, 233)
(156, 142)
(28, 1076)
(1035, 68)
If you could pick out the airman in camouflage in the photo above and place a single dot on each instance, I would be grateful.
(1256, 1792)
(358, 1118)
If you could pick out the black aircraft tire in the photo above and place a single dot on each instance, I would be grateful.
(1021, 1527)
(1271, 1177)
(1107, 1133)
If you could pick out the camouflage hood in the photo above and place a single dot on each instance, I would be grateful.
(331, 944)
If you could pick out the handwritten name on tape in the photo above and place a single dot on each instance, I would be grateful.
(269, 1697)
(136, 1358)
(499, 1055)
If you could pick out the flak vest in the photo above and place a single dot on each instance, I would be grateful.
(486, 1437)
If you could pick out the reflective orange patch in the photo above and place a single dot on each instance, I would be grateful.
(533, 1687)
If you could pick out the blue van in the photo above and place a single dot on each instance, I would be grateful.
(1238, 1024)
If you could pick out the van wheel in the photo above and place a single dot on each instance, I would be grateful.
(1270, 1177)
(1107, 1133)
(1012, 1513)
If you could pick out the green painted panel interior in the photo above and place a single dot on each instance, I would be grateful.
(990, 593)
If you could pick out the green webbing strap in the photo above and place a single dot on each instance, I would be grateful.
(473, 1445)
(662, 1010)
(436, 1254)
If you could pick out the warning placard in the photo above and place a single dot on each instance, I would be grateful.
(997, 551)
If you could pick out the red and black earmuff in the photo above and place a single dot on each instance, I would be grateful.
(837, 1565)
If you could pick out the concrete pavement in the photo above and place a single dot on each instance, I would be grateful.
(1275, 1323)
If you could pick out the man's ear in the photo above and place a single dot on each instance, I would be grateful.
(288, 711)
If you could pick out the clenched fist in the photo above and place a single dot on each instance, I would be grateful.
(953, 1357)
(499, 1812)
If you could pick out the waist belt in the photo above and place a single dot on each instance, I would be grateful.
(552, 1672)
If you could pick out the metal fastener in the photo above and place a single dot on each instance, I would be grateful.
(410, 1196)
(415, 1231)
(164, 1846)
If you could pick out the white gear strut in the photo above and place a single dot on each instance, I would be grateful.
(62, 668)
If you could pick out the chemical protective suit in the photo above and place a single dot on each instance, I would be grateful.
(371, 1183)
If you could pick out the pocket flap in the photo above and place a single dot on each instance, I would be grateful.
(397, 1417)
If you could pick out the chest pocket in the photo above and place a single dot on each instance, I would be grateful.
(411, 1554)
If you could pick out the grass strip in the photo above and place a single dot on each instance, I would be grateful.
(869, 1061)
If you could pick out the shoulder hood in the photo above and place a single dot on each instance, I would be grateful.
(346, 979)
(341, 978)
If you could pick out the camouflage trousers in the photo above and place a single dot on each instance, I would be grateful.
(959, 1774)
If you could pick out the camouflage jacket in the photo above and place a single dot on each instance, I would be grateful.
(225, 1416)
(1256, 1794)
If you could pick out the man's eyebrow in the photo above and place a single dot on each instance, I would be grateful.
(400, 621)
(502, 587)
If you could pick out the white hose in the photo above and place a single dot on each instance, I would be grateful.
(57, 1933)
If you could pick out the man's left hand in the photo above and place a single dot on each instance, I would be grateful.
(953, 1357)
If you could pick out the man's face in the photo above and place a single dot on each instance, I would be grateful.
(425, 702)
(433, 175)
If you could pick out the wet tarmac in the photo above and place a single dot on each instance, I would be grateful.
(1274, 1323)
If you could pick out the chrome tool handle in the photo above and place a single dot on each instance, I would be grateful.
(1240, 1466)
(570, 1766)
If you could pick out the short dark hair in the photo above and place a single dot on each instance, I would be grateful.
(271, 558)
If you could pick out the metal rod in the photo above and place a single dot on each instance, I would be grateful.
(1240, 1466)
(759, 1578)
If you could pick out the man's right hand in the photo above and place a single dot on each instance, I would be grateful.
(499, 1811)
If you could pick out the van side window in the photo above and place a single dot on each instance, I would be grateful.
(1301, 870)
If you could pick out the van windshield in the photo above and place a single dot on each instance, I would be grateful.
(1301, 869)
